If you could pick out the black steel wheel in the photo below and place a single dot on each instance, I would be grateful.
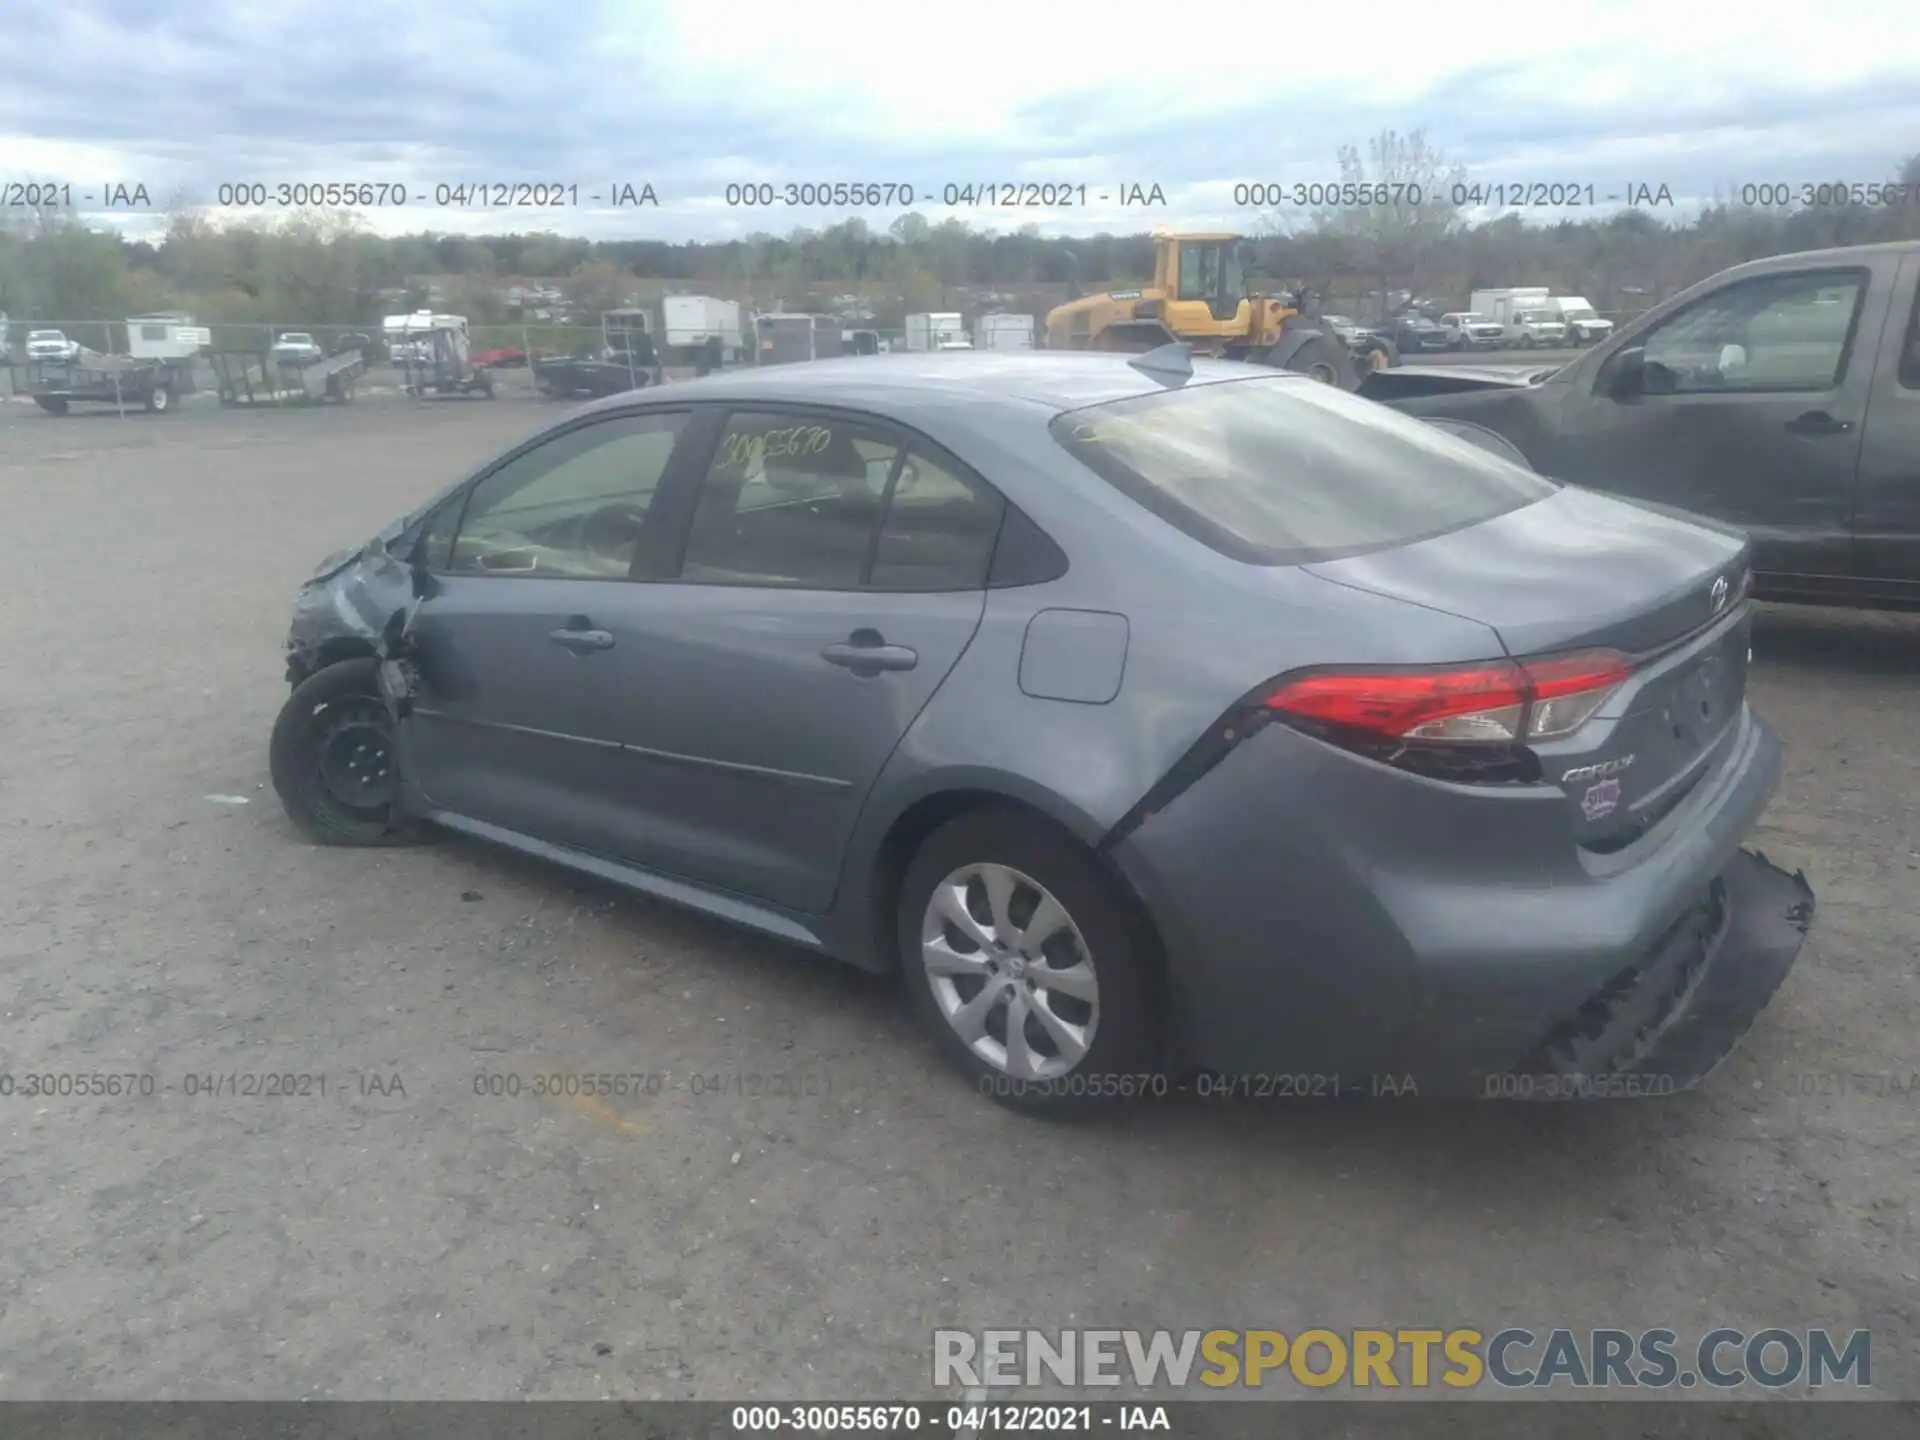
(333, 759)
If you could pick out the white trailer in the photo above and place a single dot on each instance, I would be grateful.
(166, 337)
(943, 330)
(410, 337)
(694, 321)
(1003, 331)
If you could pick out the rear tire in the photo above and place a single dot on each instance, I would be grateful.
(52, 404)
(970, 976)
(333, 762)
(159, 400)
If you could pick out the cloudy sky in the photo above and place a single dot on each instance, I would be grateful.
(183, 96)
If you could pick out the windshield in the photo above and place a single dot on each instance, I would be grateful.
(1577, 312)
(1285, 471)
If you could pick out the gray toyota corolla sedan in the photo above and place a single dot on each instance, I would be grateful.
(1156, 717)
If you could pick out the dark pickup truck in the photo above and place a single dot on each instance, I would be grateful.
(1781, 396)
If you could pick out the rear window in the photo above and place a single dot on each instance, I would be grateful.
(1286, 471)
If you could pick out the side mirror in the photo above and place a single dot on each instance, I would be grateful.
(1626, 373)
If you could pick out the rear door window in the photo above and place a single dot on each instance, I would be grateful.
(939, 530)
(1286, 471)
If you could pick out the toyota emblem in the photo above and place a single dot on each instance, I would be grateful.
(1719, 595)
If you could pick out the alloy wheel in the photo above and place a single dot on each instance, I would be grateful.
(1010, 971)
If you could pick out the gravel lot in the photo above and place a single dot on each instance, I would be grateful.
(411, 1238)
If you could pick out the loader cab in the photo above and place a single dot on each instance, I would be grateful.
(1204, 280)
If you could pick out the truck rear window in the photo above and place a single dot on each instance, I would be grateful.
(1284, 470)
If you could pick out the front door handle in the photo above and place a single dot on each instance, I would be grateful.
(867, 653)
(1818, 422)
(579, 636)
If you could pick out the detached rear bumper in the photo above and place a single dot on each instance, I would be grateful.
(1325, 917)
(1664, 1024)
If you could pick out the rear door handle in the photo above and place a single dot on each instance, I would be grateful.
(579, 636)
(867, 653)
(1818, 422)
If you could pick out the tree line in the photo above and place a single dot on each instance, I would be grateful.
(328, 268)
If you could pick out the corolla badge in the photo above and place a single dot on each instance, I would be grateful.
(1718, 596)
(1601, 800)
(1594, 772)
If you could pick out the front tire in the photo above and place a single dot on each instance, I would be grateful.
(1028, 968)
(1320, 358)
(333, 761)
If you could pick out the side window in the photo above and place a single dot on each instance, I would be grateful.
(939, 530)
(571, 508)
(1199, 271)
(1910, 350)
(790, 500)
(1774, 333)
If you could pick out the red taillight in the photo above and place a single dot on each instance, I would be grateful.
(1502, 701)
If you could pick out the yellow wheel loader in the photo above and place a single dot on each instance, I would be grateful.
(1200, 297)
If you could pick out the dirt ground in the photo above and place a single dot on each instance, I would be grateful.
(402, 1236)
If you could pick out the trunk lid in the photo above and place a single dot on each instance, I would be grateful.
(1576, 569)
(1582, 571)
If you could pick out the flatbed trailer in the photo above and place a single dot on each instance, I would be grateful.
(254, 377)
(117, 380)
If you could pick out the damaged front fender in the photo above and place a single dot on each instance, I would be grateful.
(399, 664)
(352, 609)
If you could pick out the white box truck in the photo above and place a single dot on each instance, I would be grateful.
(692, 321)
(944, 330)
(1526, 315)
(1003, 331)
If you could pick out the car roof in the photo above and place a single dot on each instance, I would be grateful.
(899, 386)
